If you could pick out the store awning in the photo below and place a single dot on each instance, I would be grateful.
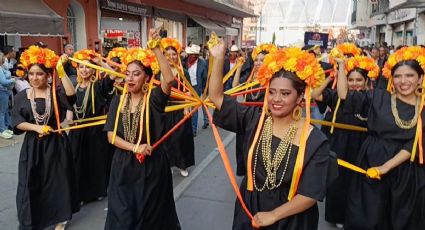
(29, 17)
(209, 25)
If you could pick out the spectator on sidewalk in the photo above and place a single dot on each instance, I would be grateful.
(5, 84)
(69, 69)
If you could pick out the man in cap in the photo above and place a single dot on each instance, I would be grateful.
(229, 63)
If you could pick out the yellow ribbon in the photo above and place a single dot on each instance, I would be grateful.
(334, 115)
(122, 97)
(339, 125)
(148, 135)
(172, 108)
(101, 122)
(418, 130)
(230, 73)
(108, 71)
(59, 69)
(91, 119)
(351, 166)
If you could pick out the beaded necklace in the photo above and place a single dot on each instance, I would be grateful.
(40, 119)
(131, 124)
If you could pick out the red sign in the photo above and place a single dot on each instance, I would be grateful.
(114, 33)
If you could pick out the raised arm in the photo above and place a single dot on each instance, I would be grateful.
(216, 93)
(317, 93)
(66, 82)
(342, 85)
(167, 79)
(237, 77)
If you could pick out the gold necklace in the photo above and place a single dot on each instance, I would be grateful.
(272, 163)
(403, 124)
(40, 119)
(131, 125)
(82, 109)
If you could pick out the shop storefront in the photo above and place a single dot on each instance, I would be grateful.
(403, 23)
(123, 25)
(171, 24)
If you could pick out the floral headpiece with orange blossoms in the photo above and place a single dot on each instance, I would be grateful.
(302, 63)
(36, 55)
(116, 52)
(145, 56)
(83, 55)
(167, 42)
(268, 48)
(341, 51)
(363, 62)
(404, 54)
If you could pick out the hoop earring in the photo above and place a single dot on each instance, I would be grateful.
(297, 112)
(419, 91)
(93, 78)
(392, 89)
(145, 88)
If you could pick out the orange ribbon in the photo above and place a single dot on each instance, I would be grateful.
(55, 102)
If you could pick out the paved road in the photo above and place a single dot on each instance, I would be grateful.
(204, 200)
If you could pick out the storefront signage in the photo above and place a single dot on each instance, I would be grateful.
(380, 19)
(125, 7)
(237, 21)
(401, 15)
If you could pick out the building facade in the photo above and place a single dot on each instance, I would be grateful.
(396, 22)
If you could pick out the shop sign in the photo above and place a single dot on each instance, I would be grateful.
(401, 15)
(380, 19)
(114, 33)
(237, 21)
(125, 7)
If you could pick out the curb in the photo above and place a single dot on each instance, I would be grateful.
(181, 188)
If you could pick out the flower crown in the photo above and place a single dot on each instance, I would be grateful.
(145, 56)
(404, 54)
(167, 42)
(341, 51)
(116, 52)
(268, 48)
(83, 55)
(365, 63)
(36, 55)
(300, 62)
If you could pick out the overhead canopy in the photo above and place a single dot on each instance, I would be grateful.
(209, 25)
(29, 17)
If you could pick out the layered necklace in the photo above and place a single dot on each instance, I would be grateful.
(40, 119)
(272, 162)
(131, 124)
(80, 111)
(403, 124)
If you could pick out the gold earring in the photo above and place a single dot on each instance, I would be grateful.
(419, 91)
(145, 88)
(392, 89)
(296, 113)
(93, 78)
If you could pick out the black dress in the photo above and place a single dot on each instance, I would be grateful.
(47, 192)
(141, 195)
(240, 163)
(318, 168)
(397, 201)
(180, 144)
(346, 144)
(90, 147)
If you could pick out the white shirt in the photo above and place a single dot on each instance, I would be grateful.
(232, 65)
(192, 73)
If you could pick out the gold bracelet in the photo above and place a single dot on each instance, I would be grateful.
(153, 43)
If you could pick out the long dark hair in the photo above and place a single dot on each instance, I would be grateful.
(296, 82)
(412, 64)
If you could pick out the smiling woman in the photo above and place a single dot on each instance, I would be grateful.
(277, 136)
(395, 201)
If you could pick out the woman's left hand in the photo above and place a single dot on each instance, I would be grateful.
(154, 34)
(264, 219)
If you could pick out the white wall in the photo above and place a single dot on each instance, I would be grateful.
(80, 23)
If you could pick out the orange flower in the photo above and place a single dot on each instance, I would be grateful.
(363, 62)
(302, 63)
(116, 52)
(404, 54)
(145, 56)
(83, 55)
(170, 42)
(37, 55)
(268, 48)
(342, 51)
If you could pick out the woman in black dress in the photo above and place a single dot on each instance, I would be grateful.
(141, 194)
(180, 145)
(47, 192)
(396, 201)
(345, 143)
(258, 55)
(266, 188)
(90, 148)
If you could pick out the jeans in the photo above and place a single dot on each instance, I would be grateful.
(4, 109)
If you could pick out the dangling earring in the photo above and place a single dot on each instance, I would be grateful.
(392, 89)
(267, 112)
(93, 78)
(297, 112)
(419, 91)
(145, 88)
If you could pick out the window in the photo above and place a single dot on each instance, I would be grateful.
(71, 25)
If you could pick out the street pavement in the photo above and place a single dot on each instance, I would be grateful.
(204, 200)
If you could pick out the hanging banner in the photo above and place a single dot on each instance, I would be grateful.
(315, 38)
